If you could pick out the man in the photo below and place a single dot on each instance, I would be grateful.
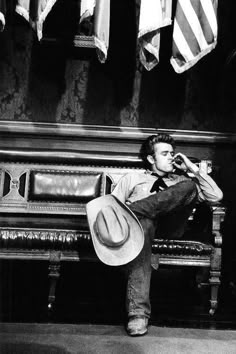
(162, 198)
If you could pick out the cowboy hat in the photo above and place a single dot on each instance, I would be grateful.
(117, 234)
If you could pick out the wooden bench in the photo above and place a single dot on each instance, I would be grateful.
(42, 213)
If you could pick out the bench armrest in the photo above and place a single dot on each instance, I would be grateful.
(218, 215)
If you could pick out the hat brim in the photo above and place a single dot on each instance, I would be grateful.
(134, 243)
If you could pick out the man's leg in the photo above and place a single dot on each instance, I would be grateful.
(172, 199)
(178, 199)
(138, 285)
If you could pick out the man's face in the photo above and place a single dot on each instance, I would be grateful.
(162, 159)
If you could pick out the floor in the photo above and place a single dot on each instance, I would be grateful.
(34, 338)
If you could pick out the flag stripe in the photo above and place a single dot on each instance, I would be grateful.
(185, 51)
(195, 25)
(203, 19)
(195, 32)
(209, 7)
(187, 33)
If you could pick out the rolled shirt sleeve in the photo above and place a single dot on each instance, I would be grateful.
(208, 190)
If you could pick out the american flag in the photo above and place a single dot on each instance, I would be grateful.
(195, 32)
(35, 12)
(154, 14)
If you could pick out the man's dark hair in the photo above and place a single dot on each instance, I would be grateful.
(147, 147)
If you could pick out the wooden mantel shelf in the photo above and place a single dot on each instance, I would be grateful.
(112, 132)
(122, 144)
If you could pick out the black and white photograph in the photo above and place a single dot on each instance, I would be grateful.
(117, 176)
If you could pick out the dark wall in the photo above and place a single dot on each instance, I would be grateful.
(45, 82)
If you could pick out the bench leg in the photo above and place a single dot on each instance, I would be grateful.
(214, 280)
(214, 283)
(54, 274)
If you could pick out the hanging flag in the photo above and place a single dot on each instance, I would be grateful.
(35, 12)
(102, 28)
(86, 9)
(154, 14)
(101, 23)
(195, 32)
(86, 17)
(2, 14)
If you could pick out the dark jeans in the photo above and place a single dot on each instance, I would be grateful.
(166, 213)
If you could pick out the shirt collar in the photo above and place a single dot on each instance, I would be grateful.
(149, 172)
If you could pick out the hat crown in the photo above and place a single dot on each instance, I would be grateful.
(111, 226)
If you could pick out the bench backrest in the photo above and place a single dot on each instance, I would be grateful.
(36, 188)
(53, 189)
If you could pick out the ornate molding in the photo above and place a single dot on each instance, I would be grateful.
(84, 41)
(9, 235)
(96, 132)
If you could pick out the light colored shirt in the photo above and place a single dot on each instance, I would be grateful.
(135, 186)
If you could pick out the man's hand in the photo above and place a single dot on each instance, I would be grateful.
(185, 164)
